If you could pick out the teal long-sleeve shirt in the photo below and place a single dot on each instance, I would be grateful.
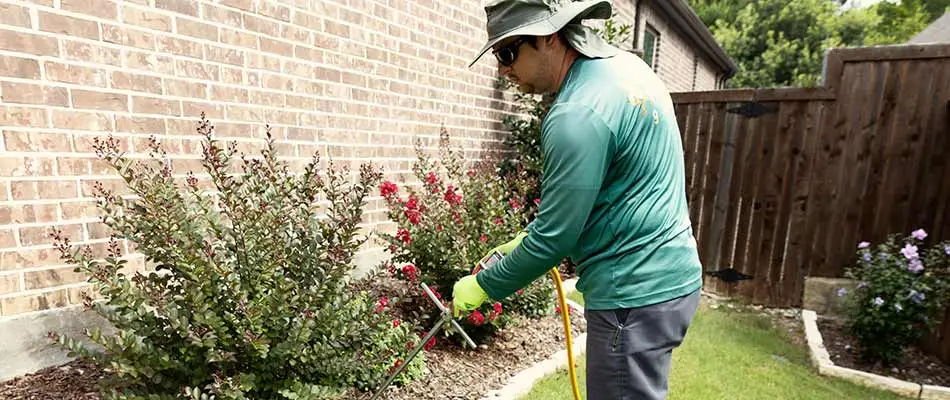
(613, 195)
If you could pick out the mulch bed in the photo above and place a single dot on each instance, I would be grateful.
(453, 373)
(916, 366)
(73, 381)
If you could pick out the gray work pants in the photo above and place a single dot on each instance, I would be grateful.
(629, 350)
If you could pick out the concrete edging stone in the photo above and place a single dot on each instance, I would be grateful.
(821, 359)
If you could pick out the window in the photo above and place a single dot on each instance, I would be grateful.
(651, 45)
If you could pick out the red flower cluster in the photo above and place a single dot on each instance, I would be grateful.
(412, 210)
(411, 272)
(451, 197)
(403, 235)
(382, 303)
(388, 188)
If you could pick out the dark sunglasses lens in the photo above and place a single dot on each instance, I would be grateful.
(506, 56)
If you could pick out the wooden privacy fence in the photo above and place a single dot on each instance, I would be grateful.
(784, 183)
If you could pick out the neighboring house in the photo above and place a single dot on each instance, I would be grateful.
(936, 32)
(670, 37)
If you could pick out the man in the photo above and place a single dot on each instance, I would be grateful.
(612, 195)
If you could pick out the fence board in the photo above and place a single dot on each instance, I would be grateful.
(786, 194)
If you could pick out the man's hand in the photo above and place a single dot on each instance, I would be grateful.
(467, 295)
(506, 248)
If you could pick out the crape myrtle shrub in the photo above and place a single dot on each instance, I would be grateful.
(249, 297)
(445, 226)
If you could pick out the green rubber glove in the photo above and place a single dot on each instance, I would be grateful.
(467, 295)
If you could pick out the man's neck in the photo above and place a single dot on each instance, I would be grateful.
(570, 55)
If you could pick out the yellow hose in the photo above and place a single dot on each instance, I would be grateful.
(566, 319)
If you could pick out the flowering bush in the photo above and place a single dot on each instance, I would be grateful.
(449, 223)
(249, 297)
(902, 288)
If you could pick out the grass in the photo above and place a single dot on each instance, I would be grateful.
(732, 355)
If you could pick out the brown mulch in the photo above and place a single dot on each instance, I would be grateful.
(72, 381)
(453, 373)
(915, 366)
(471, 374)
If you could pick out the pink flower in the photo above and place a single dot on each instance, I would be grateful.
(514, 203)
(476, 318)
(537, 201)
(451, 197)
(410, 271)
(909, 251)
(497, 308)
(483, 238)
(863, 245)
(499, 220)
(381, 304)
(431, 178)
(396, 323)
(388, 188)
(919, 234)
(403, 235)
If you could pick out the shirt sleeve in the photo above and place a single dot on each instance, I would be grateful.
(577, 147)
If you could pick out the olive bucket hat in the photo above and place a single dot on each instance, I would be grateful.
(507, 18)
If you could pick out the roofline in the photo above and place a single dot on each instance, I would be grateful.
(685, 18)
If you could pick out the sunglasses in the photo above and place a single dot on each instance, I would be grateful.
(509, 54)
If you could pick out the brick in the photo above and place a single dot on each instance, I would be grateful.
(81, 120)
(36, 142)
(93, 100)
(263, 61)
(196, 70)
(194, 109)
(22, 258)
(197, 29)
(138, 124)
(154, 63)
(174, 126)
(72, 166)
(22, 116)
(186, 7)
(30, 213)
(278, 82)
(145, 18)
(48, 278)
(28, 43)
(224, 55)
(42, 190)
(274, 10)
(246, 5)
(86, 143)
(296, 34)
(127, 36)
(67, 25)
(270, 99)
(229, 94)
(9, 283)
(265, 26)
(19, 166)
(176, 46)
(100, 8)
(238, 38)
(277, 47)
(34, 302)
(7, 239)
(179, 88)
(98, 230)
(155, 105)
(80, 210)
(17, 67)
(15, 15)
(39, 235)
(221, 15)
(136, 82)
(86, 52)
(69, 73)
(28, 93)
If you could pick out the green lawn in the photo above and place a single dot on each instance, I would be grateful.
(732, 355)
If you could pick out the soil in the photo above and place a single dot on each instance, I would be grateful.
(454, 373)
(915, 366)
(72, 381)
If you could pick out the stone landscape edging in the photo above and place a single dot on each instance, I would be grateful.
(521, 383)
(821, 359)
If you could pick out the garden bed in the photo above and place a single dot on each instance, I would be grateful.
(454, 372)
(915, 366)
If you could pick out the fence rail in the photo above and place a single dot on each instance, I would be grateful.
(783, 183)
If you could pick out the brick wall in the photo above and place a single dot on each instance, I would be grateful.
(680, 65)
(352, 79)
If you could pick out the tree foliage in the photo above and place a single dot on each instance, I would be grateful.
(783, 43)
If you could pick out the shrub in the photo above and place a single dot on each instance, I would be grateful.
(902, 288)
(445, 226)
(249, 297)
